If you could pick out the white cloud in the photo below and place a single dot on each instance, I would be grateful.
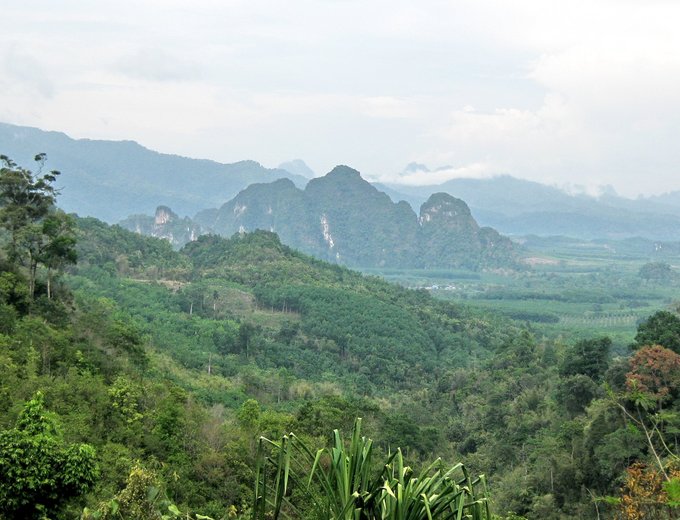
(155, 64)
(389, 107)
(426, 177)
(22, 72)
(582, 92)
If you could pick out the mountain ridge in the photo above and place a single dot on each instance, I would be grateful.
(342, 218)
(521, 207)
(112, 180)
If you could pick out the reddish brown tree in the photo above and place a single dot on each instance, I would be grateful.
(655, 371)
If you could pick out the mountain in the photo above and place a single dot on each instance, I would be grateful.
(343, 218)
(165, 224)
(450, 237)
(360, 225)
(298, 167)
(520, 207)
(112, 179)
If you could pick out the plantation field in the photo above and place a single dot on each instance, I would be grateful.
(570, 288)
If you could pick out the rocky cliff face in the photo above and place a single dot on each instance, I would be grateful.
(360, 225)
(450, 237)
(165, 224)
(342, 218)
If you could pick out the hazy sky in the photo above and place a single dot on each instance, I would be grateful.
(573, 93)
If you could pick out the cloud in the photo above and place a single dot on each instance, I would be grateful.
(609, 79)
(581, 92)
(22, 70)
(157, 65)
(388, 107)
(422, 176)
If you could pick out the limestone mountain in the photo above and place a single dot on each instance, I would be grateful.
(360, 225)
(520, 207)
(342, 218)
(275, 206)
(165, 224)
(298, 167)
(450, 237)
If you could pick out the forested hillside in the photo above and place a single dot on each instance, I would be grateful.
(137, 381)
(341, 218)
(113, 179)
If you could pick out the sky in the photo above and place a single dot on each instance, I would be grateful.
(577, 94)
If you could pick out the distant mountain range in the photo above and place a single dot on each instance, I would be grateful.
(344, 219)
(114, 179)
(520, 207)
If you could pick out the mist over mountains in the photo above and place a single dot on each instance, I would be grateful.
(112, 180)
(520, 207)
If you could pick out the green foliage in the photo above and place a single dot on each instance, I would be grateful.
(339, 482)
(575, 392)
(38, 234)
(181, 360)
(362, 328)
(661, 328)
(587, 357)
(39, 472)
(25, 198)
(143, 498)
(656, 271)
(672, 489)
(119, 251)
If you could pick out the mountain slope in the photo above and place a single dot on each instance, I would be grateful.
(519, 207)
(449, 236)
(113, 179)
(342, 218)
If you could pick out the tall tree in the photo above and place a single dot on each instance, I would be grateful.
(58, 244)
(588, 357)
(661, 328)
(26, 198)
(38, 234)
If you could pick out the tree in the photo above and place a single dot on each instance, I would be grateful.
(39, 472)
(575, 392)
(143, 498)
(654, 376)
(588, 357)
(657, 271)
(246, 332)
(39, 234)
(661, 328)
(655, 371)
(59, 245)
(25, 198)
